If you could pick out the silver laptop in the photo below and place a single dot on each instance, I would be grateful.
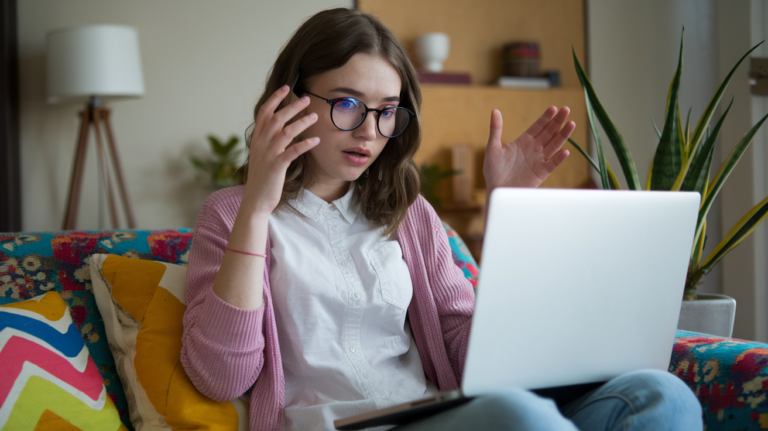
(576, 287)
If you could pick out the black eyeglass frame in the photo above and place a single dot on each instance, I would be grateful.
(365, 115)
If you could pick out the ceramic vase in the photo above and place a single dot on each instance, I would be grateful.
(432, 50)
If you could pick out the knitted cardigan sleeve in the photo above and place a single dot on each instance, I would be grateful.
(444, 296)
(222, 345)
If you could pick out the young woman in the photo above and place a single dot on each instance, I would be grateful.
(324, 286)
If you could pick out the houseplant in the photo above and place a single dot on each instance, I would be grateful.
(681, 163)
(218, 170)
(431, 174)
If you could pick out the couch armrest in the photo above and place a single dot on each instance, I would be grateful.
(729, 376)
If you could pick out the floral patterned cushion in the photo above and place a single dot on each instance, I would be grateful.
(729, 376)
(461, 255)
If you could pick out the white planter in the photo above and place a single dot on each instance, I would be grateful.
(709, 314)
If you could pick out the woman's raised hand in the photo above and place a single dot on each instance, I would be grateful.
(270, 153)
(528, 160)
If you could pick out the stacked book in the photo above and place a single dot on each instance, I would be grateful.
(538, 82)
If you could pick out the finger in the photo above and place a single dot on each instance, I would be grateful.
(268, 109)
(542, 122)
(297, 149)
(557, 142)
(284, 115)
(293, 130)
(554, 125)
(557, 160)
(497, 124)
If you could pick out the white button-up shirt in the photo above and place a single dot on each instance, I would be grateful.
(340, 292)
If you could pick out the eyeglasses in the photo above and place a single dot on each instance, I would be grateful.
(348, 113)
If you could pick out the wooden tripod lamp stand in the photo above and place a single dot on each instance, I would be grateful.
(93, 63)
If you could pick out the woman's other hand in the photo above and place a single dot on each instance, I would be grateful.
(528, 160)
(270, 153)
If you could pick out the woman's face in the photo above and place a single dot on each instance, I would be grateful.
(342, 156)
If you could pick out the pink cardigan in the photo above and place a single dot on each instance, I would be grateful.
(228, 351)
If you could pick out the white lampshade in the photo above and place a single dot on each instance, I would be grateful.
(93, 60)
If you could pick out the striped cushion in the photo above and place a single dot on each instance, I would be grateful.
(48, 379)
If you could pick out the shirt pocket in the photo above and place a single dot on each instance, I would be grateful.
(394, 279)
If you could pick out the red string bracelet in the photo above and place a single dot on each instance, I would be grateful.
(245, 252)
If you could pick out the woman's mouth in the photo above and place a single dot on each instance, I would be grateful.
(356, 158)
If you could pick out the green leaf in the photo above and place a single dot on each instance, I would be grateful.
(584, 153)
(230, 144)
(681, 135)
(612, 177)
(598, 143)
(706, 117)
(669, 158)
(687, 132)
(698, 175)
(658, 134)
(724, 172)
(741, 230)
(216, 145)
(613, 134)
(698, 247)
(198, 164)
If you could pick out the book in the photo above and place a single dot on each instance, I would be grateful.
(524, 82)
(444, 78)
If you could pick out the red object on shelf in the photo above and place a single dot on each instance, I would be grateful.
(444, 78)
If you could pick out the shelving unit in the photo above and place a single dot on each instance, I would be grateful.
(460, 115)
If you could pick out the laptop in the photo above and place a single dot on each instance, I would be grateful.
(576, 287)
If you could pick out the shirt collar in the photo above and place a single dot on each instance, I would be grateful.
(312, 206)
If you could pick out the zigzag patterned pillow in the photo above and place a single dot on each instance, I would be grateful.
(48, 380)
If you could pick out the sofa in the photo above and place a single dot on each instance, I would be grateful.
(729, 376)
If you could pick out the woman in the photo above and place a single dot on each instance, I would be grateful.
(324, 286)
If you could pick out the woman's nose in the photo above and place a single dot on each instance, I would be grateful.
(367, 130)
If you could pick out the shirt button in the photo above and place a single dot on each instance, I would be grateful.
(367, 375)
(357, 295)
(344, 263)
(334, 226)
(353, 349)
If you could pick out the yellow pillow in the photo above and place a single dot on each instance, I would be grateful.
(142, 303)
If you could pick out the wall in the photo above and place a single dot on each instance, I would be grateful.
(633, 50)
(205, 64)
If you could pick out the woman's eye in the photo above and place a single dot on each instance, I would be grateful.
(346, 104)
(388, 112)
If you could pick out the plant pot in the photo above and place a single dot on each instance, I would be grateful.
(710, 313)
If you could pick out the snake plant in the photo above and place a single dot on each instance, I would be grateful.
(681, 163)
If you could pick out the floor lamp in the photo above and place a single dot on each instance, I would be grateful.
(95, 63)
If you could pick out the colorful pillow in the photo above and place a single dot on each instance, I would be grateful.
(33, 263)
(461, 255)
(729, 376)
(142, 304)
(48, 380)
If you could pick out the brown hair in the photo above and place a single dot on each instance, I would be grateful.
(325, 42)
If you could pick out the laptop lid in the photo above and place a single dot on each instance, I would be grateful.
(577, 286)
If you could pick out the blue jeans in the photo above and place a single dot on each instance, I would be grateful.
(642, 400)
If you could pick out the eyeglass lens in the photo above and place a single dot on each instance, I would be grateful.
(349, 113)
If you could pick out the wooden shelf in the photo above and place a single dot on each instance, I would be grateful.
(460, 115)
(479, 29)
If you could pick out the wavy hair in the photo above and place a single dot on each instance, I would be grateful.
(325, 42)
